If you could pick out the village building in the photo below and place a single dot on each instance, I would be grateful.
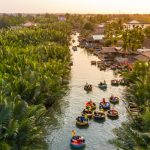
(94, 42)
(100, 28)
(143, 56)
(62, 18)
(29, 24)
(134, 23)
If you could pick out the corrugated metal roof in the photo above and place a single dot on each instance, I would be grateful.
(97, 37)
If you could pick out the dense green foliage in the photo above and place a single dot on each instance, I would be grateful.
(34, 65)
(135, 135)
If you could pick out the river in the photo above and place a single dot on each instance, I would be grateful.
(63, 115)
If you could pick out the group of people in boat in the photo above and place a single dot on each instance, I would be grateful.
(102, 83)
(77, 141)
(88, 87)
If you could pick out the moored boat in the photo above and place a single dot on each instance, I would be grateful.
(74, 48)
(114, 82)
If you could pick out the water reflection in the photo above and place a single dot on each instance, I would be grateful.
(64, 114)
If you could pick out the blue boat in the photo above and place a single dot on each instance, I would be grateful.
(105, 105)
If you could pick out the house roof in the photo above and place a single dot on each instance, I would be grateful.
(108, 50)
(146, 54)
(134, 22)
(29, 24)
(97, 37)
(141, 57)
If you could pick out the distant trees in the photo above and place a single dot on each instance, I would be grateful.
(132, 39)
(147, 32)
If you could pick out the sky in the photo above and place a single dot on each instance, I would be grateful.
(75, 6)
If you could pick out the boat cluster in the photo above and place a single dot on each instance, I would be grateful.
(103, 85)
(90, 112)
(104, 107)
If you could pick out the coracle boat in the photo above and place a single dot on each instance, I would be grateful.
(88, 87)
(93, 62)
(74, 48)
(82, 121)
(90, 105)
(102, 86)
(112, 114)
(114, 100)
(99, 116)
(123, 82)
(133, 109)
(104, 105)
(88, 113)
(114, 67)
(77, 142)
(114, 82)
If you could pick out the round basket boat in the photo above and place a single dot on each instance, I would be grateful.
(114, 100)
(88, 113)
(88, 87)
(82, 121)
(102, 86)
(105, 105)
(77, 142)
(99, 116)
(112, 114)
(90, 106)
(113, 67)
(114, 82)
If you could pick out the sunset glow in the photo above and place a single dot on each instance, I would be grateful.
(75, 6)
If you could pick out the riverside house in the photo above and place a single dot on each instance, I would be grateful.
(134, 23)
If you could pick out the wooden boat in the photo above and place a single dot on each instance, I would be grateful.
(99, 116)
(74, 48)
(123, 82)
(88, 87)
(114, 100)
(133, 109)
(90, 105)
(112, 114)
(82, 121)
(114, 82)
(77, 142)
(105, 105)
(88, 113)
(93, 62)
(102, 86)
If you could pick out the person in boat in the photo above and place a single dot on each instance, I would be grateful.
(90, 102)
(104, 102)
(86, 84)
(104, 82)
(101, 83)
(85, 116)
(112, 96)
(73, 133)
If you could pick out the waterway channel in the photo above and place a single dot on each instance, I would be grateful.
(63, 115)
